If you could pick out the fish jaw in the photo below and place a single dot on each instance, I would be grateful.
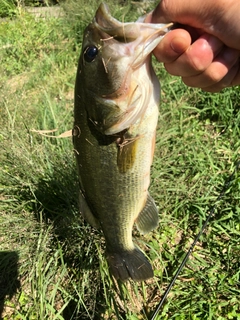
(113, 79)
(137, 39)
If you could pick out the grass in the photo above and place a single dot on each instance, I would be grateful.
(52, 263)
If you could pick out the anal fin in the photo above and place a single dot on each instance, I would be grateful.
(148, 219)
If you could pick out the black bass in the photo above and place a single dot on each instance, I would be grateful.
(116, 114)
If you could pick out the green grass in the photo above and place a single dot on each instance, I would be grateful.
(52, 263)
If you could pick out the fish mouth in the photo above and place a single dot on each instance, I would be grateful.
(140, 38)
(126, 47)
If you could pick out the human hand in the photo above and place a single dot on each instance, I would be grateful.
(205, 54)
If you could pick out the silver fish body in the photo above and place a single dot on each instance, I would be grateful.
(115, 119)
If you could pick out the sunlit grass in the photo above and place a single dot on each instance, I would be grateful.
(52, 263)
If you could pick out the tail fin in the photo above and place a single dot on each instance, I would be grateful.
(129, 264)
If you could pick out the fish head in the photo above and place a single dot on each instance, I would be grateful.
(108, 74)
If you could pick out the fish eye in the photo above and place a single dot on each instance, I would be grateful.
(90, 53)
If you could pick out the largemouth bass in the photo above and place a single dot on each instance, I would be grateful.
(116, 114)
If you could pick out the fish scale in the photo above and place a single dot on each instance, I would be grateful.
(116, 121)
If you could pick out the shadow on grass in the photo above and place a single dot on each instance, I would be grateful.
(9, 283)
(57, 204)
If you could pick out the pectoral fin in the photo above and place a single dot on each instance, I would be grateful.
(127, 154)
(86, 212)
(148, 219)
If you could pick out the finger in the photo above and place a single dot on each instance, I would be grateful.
(232, 78)
(197, 58)
(220, 72)
(219, 18)
(172, 45)
(236, 79)
(192, 13)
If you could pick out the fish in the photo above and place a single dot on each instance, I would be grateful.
(115, 118)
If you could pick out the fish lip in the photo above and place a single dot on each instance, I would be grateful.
(104, 19)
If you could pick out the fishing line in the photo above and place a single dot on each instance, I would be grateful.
(221, 194)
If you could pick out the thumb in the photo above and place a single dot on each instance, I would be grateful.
(173, 44)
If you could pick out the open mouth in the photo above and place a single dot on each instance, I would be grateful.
(126, 47)
(139, 37)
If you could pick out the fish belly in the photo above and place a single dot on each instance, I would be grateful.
(114, 180)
